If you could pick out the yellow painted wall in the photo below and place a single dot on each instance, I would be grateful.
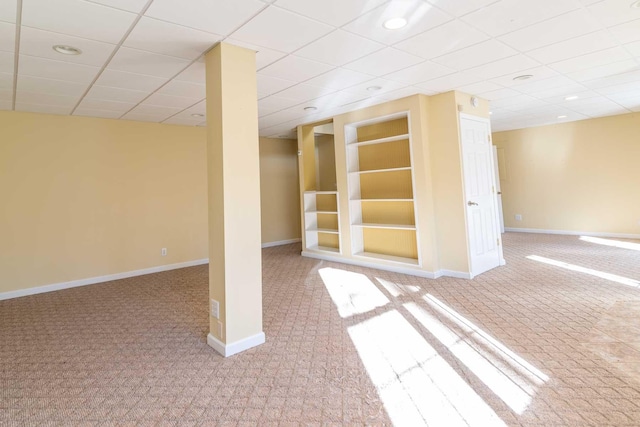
(280, 198)
(578, 176)
(84, 197)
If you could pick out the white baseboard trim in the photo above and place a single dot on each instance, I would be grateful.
(99, 279)
(280, 242)
(451, 273)
(573, 233)
(396, 269)
(235, 347)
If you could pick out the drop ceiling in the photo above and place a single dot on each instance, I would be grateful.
(142, 59)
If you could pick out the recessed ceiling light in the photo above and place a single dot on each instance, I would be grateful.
(197, 116)
(562, 117)
(490, 112)
(635, 4)
(374, 88)
(395, 23)
(570, 98)
(523, 77)
(310, 108)
(67, 50)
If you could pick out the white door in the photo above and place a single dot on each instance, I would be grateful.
(498, 190)
(485, 248)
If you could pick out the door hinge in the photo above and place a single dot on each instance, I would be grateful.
(493, 189)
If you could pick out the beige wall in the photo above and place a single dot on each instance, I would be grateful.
(279, 189)
(85, 197)
(578, 176)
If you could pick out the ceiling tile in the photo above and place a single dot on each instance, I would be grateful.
(170, 39)
(153, 118)
(384, 62)
(123, 80)
(624, 88)
(630, 77)
(567, 26)
(155, 110)
(101, 105)
(421, 16)
(273, 28)
(6, 81)
(8, 10)
(559, 97)
(332, 12)
(531, 86)
(509, 15)
(141, 62)
(511, 65)
(268, 85)
(448, 82)
(295, 69)
(628, 32)
(42, 108)
(77, 18)
(402, 93)
(195, 73)
(7, 37)
(363, 89)
(46, 99)
(184, 89)
(450, 37)
(633, 48)
(598, 107)
(59, 70)
(6, 62)
(502, 93)
(40, 43)
(480, 87)
(460, 7)
(613, 12)
(574, 47)
(115, 94)
(590, 60)
(338, 48)
(518, 102)
(213, 16)
(478, 54)
(420, 73)
(278, 118)
(134, 6)
(305, 92)
(552, 95)
(277, 103)
(163, 100)
(339, 78)
(89, 112)
(538, 73)
(264, 56)
(50, 86)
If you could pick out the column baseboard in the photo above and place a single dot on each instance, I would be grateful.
(227, 350)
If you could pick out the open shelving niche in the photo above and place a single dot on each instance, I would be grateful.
(382, 209)
(322, 227)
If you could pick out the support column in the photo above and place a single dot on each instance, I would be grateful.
(235, 263)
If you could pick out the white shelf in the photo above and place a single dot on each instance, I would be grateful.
(391, 258)
(382, 200)
(323, 249)
(389, 226)
(324, 230)
(381, 140)
(323, 212)
(320, 192)
(408, 168)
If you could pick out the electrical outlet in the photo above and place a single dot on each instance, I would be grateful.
(164, 251)
(215, 309)
(518, 217)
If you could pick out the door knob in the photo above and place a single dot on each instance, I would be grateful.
(470, 203)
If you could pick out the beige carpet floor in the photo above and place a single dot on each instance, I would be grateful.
(550, 339)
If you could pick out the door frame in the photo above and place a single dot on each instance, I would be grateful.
(487, 121)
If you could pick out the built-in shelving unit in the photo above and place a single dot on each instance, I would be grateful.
(380, 184)
(322, 228)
